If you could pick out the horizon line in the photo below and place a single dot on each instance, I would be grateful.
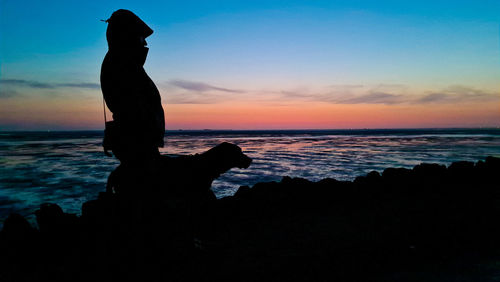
(300, 129)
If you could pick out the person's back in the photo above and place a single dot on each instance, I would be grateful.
(128, 91)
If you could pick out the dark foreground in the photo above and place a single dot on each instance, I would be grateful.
(431, 223)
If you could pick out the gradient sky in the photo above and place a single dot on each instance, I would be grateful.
(261, 64)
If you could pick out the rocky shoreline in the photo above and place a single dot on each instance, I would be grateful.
(429, 223)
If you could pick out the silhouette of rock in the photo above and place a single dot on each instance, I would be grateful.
(16, 227)
(52, 219)
(432, 223)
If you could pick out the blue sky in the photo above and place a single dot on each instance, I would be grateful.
(257, 48)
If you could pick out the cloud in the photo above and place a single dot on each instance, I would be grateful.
(7, 93)
(197, 92)
(372, 98)
(432, 98)
(86, 85)
(297, 95)
(457, 94)
(345, 94)
(179, 99)
(392, 94)
(391, 86)
(346, 86)
(45, 85)
(26, 83)
(388, 94)
(200, 86)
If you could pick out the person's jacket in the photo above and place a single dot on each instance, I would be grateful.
(129, 92)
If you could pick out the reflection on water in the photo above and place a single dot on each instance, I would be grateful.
(69, 168)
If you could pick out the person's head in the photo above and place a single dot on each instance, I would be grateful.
(126, 31)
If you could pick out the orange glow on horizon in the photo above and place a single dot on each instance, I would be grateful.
(54, 114)
(328, 116)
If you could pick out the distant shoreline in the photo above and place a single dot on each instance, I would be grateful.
(412, 131)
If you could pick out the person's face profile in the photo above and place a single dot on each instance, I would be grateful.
(143, 41)
(140, 41)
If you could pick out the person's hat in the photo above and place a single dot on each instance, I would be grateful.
(124, 22)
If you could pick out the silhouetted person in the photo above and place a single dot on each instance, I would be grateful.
(130, 94)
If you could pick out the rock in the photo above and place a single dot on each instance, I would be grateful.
(429, 170)
(242, 191)
(395, 174)
(458, 168)
(16, 227)
(58, 230)
(362, 230)
(493, 162)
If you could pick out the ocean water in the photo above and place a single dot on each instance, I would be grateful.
(69, 168)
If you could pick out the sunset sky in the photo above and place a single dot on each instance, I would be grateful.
(261, 64)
